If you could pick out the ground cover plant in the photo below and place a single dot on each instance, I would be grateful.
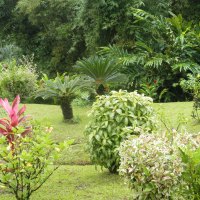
(191, 159)
(77, 178)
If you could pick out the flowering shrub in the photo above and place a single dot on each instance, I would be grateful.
(152, 164)
(115, 117)
(26, 151)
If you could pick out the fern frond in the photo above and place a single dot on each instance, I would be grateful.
(154, 62)
(186, 66)
(141, 15)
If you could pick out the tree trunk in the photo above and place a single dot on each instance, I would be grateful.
(101, 90)
(113, 169)
(66, 109)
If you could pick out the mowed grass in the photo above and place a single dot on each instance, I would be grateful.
(80, 183)
(174, 111)
(77, 178)
(51, 115)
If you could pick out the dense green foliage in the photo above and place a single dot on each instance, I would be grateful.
(152, 40)
(17, 79)
(111, 117)
(9, 52)
(166, 50)
(62, 29)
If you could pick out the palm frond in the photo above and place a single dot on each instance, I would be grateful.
(63, 86)
(144, 46)
(186, 67)
(154, 62)
(120, 55)
(101, 70)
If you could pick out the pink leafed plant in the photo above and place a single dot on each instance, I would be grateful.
(9, 125)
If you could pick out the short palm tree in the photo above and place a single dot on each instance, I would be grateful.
(101, 71)
(65, 89)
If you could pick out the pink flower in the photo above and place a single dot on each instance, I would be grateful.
(14, 119)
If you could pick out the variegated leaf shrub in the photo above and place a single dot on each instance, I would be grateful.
(152, 164)
(114, 117)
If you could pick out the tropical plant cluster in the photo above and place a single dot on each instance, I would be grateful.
(169, 54)
(102, 72)
(114, 117)
(157, 166)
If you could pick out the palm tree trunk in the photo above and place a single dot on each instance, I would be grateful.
(101, 90)
(66, 109)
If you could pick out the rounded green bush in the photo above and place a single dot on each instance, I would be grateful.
(17, 80)
(114, 117)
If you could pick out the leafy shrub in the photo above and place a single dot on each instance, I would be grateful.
(191, 175)
(152, 165)
(26, 151)
(150, 89)
(192, 85)
(17, 80)
(111, 116)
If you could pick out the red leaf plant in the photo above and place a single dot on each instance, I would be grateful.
(10, 125)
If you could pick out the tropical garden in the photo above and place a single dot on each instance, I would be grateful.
(99, 99)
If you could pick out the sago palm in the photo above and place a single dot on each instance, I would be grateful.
(101, 71)
(65, 89)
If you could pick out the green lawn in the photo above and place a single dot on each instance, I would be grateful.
(80, 182)
(77, 178)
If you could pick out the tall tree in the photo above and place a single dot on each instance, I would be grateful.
(54, 34)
